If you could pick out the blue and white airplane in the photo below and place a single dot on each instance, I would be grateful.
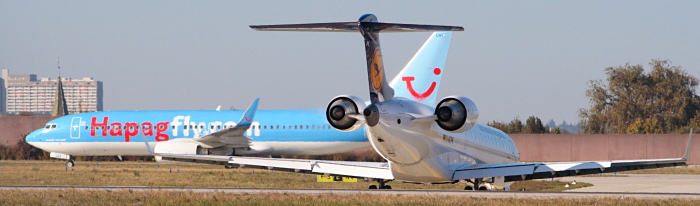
(422, 143)
(272, 132)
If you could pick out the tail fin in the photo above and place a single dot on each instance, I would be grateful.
(369, 27)
(420, 78)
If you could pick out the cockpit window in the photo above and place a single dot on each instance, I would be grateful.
(50, 126)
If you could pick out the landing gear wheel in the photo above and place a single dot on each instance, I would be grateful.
(382, 185)
(468, 188)
(70, 163)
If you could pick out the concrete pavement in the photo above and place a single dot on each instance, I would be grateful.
(643, 183)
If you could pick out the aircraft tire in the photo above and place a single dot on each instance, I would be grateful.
(468, 188)
(373, 187)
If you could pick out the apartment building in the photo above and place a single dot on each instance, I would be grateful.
(27, 93)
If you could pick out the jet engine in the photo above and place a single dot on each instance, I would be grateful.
(185, 147)
(340, 112)
(456, 114)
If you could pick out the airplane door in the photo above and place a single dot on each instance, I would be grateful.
(75, 127)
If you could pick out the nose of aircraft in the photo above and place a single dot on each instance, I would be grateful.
(33, 137)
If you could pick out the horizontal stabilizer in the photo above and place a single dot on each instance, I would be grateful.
(369, 26)
(355, 26)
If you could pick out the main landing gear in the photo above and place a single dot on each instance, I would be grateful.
(382, 185)
(477, 185)
(70, 162)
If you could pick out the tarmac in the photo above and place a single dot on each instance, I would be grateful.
(638, 183)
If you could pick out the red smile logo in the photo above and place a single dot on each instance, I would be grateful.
(420, 96)
(248, 119)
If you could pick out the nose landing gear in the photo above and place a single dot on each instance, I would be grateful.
(70, 162)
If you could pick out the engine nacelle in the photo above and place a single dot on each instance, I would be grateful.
(339, 109)
(184, 147)
(456, 114)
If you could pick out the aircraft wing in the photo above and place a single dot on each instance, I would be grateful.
(529, 171)
(232, 137)
(375, 170)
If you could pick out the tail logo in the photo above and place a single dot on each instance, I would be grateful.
(377, 70)
(248, 119)
(426, 94)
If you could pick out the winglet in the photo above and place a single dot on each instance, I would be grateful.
(247, 118)
(686, 157)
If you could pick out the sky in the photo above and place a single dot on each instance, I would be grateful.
(515, 59)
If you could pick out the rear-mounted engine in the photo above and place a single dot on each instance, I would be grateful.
(456, 114)
(340, 112)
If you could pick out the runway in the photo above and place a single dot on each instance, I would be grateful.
(644, 183)
(483, 194)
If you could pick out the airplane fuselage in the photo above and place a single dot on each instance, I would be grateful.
(423, 152)
(273, 132)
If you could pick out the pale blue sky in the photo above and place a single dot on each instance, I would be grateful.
(514, 59)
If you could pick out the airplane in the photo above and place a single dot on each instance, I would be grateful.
(273, 132)
(421, 143)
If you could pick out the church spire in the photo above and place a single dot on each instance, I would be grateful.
(60, 108)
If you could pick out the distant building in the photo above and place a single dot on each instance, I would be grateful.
(3, 97)
(26, 93)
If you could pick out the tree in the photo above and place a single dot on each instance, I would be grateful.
(533, 125)
(632, 101)
(515, 127)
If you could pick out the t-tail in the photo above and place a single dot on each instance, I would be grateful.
(369, 27)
